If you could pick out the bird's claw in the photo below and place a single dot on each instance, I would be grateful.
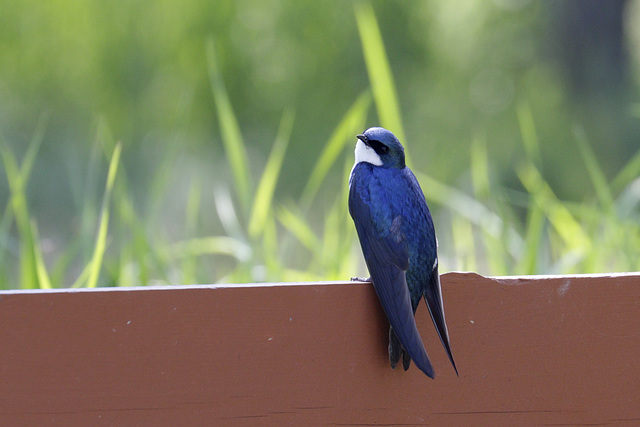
(361, 279)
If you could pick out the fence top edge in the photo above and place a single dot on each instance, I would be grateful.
(174, 287)
(501, 279)
(561, 276)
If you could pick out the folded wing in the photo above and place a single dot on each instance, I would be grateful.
(387, 259)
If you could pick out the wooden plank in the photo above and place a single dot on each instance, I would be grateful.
(530, 350)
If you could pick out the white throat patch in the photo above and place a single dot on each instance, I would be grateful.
(366, 154)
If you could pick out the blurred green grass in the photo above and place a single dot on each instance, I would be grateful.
(268, 236)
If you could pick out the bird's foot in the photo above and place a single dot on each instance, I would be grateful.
(361, 279)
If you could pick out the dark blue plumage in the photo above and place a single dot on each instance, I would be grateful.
(398, 242)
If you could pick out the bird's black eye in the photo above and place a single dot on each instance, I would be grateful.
(378, 146)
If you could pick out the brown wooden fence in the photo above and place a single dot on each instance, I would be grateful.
(562, 350)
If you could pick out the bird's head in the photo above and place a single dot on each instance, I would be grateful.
(380, 147)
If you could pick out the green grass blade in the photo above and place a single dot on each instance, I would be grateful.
(101, 240)
(273, 262)
(465, 205)
(133, 230)
(87, 199)
(231, 136)
(528, 260)
(41, 269)
(528, 133)
(566, 226)
(137, 257)
(34, 147)
(628, 174)
(300, 229)
(18, 202)
(82, 278)
(596, 174)
(18, 178)
(379, 70)
(191, 228)
(63, 262)
(337, 240)
(5, 224)
(226, 211)
(263, 199)
(350, 125)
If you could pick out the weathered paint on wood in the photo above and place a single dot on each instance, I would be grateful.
(559, 350)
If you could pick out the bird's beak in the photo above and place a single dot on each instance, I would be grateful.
(363, 138)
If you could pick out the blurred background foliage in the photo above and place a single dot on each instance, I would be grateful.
(198, 142)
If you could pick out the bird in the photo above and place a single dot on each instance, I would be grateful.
(398, 242)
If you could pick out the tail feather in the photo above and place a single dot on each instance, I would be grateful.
(433, 298)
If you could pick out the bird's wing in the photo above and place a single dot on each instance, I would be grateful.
(387, 259)
(392, 248)
(433, 298)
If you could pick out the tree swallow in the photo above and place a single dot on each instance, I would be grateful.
(398, 242)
